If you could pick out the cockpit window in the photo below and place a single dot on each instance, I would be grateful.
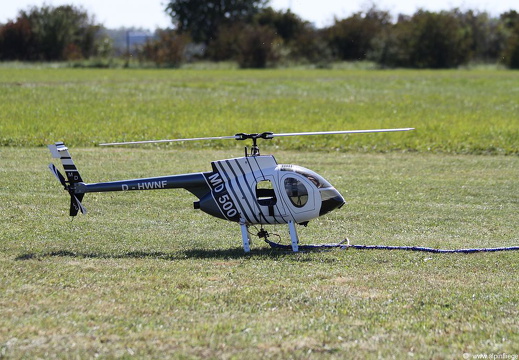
(296, 191)
(315, 178)
(265, 193)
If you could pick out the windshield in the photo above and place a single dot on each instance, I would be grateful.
(315, 178)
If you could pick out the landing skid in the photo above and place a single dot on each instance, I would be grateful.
(245, 235)
(294, 238)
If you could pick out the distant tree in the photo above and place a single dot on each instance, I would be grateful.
(201, 19)
(286, 24)
(301, 41)
(510, 22)
(510, 18)
(389, 47)
(439, 41)
(258, 47)
(17, 40)
(167, 49)
(424, 40)
(264, 40)
(487, 39)
(49, 33)
(310, 47)
(351, 38)
(225, 45)
(250, 45)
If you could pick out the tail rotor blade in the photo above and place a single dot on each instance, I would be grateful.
(75, 202)
(75, 205)
(81, 207)
(58, 175)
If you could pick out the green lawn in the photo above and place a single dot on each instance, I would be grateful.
(453, 111)
(144, 274)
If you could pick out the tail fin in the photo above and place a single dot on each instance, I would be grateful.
(60, 151)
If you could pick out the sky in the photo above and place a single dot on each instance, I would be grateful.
(149, 14)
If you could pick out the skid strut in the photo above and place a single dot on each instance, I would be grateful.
(245, 235)
(293, 236)
(294, 239)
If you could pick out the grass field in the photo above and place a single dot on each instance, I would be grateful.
(143, 275)
(453, 111)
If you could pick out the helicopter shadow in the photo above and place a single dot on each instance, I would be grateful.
(232, 253)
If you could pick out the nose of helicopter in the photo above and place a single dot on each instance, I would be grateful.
(331, 199)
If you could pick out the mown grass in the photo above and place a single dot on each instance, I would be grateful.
(144, 275)
(472, 111)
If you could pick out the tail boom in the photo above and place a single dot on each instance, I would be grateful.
(73, 182)
(194, 183)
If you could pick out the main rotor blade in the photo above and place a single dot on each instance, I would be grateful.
(170, 140)
(341, 132)
(255, 136)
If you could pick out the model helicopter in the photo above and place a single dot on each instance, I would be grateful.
(249, 190)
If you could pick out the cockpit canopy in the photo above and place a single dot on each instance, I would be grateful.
(315, 178)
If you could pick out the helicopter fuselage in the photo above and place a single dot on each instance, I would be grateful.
(250, 190)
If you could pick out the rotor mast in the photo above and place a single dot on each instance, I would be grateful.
(254, 151)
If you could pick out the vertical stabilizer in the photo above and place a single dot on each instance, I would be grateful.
(60, 151)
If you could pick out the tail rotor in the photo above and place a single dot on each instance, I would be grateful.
(59, 150)
(58, 175)
(75, 205)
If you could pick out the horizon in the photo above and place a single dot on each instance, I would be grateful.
(322, 15)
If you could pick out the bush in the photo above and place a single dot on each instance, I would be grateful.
(17, 40)
(301, 42)
(252, 46)
(351, 38)
(225, 45)
(310, 47)
(168, 50)
(258, 47)
(425, 40)
(49, 34)
(511, 52)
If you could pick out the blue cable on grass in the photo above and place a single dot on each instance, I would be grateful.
(344, 246)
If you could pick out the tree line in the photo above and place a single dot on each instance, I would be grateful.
(257, 36)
